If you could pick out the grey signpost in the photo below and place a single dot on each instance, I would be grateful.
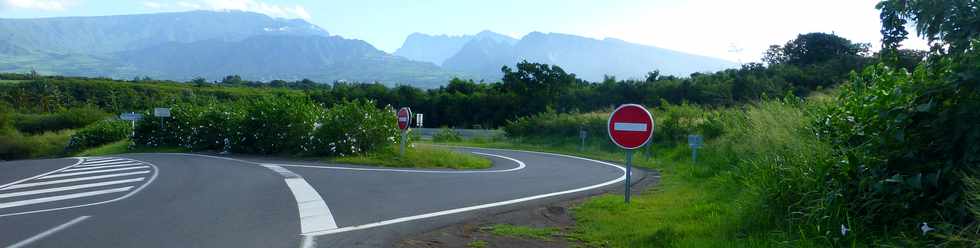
(582, 134)
(695, 142)
(161, 113)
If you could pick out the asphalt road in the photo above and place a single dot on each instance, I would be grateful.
(190, 200)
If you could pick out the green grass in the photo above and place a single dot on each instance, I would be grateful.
(524, 231)
(420, 156)
(687, 209)
(478, 244)
(2, 81)
(123, 146)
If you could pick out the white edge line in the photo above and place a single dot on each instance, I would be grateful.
(482, 206)
(520, 166)
(156, 172)
(41, 175)
(49, 232)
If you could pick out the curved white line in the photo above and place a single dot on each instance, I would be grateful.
(44, 174)
(156, 171)
(482, 206)
(520, 166)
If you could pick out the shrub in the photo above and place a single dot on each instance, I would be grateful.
(15, 145)
(69, 119)
(904, 142)
(551, 124)
(276, 125)
(446, 134)
(354, 127)
(100, 133)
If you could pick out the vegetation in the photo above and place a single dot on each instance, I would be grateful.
(418, 156)
(98, 134)
(447, 135)
(524, 231)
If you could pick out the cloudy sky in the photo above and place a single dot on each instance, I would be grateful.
(733, 30)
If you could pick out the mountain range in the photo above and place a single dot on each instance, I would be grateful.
(210, 44)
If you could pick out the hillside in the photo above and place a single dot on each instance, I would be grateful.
(185, 45)
(588, 58)
(437, 48)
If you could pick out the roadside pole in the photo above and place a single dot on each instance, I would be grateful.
(630, 127)
(162, 113)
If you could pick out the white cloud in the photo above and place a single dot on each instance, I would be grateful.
(45, 5)
(188, 5)
(282, 11)
(153, 5)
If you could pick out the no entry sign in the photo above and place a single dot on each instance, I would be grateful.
(630, 126)
(404, 118)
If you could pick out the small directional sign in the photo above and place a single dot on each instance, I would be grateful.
(404, 118)
(695, 141)
(630, 126)
(131, 116)
(161, 112)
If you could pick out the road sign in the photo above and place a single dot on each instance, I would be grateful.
(161, 112)
(418, 120)
(131, 116)
(695, 141)
(630, 126)
(404, 118)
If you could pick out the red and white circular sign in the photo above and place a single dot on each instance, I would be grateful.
(630, 126)
(404, 118)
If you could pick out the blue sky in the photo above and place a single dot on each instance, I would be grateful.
(733, 30)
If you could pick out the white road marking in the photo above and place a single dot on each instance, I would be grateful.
(482, 206)
(630, 127)
(73, 187)
(520, 166)
(93, 172)
(49, 232)
(18, 186)
(107, 163)
(314, 215)
(100, 167)
(41, 175)
(104, 161)
(63, 197)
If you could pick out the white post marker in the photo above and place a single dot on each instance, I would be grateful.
(630, 127)
(404, 122)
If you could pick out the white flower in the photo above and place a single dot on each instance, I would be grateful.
(925, 228)
(843, 230)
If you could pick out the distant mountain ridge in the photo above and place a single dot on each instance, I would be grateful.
(209, 44)
(590, 59)
(437, 48)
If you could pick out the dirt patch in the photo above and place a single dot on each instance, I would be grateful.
(478, 233)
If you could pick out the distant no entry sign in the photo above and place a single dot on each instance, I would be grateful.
(630, 126)
(404, 118)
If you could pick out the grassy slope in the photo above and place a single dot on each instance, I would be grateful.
(685, 210)
(420, 156)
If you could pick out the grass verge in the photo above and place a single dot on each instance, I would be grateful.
(687, 209)
(420, 156)
(123, 146)
(524, 232)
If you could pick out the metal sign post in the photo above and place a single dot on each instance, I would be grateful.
(582, 135)
(162, 113)
(404, 122)
(132, 117)
(630, 127)
(695, 142)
